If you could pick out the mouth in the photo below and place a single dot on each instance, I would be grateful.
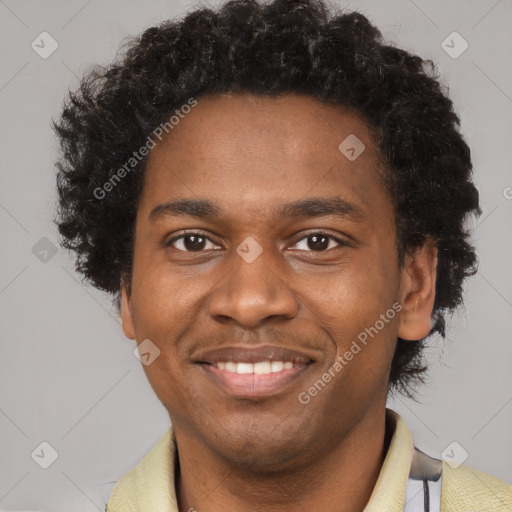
(254, 380)
(254, 372)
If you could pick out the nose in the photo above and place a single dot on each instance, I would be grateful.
(252, 293)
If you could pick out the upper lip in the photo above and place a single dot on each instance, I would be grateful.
(241, 354)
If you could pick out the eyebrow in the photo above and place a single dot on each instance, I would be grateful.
(303, 208)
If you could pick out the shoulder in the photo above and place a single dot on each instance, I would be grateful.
(150, 484)
(465, 488)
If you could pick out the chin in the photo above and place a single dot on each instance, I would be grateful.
(259, 451)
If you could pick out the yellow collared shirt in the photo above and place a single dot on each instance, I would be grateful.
(409, 481)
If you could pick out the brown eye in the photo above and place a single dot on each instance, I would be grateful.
(319, 242)
(190, 242)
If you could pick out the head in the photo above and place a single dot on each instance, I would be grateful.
(297, 136)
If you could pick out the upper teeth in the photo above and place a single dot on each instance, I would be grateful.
(258, 368)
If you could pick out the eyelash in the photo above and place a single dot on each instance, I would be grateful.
(199, 233)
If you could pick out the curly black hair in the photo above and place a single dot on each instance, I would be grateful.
(271, 49)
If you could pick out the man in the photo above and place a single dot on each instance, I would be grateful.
(276, 199)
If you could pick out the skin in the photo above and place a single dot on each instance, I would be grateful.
(251, 154)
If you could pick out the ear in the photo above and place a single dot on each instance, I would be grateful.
(126, 312)
(417, 292)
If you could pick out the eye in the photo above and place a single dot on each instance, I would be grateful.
(190, 242)
(198, 242)
(319, 242)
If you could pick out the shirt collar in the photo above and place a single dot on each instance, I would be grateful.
(150, 485)
(389, 492)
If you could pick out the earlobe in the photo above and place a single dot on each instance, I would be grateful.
(418, 290)
(126, 313)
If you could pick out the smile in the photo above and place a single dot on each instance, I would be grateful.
(260, 368)
(252, 380)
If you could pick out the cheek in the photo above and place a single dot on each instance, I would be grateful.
(170, 385)
(355, 308)
(354, 297)
(163, 310)
(163, 301)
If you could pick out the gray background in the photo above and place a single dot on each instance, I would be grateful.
(69, 377)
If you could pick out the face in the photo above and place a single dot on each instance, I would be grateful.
(290, 245)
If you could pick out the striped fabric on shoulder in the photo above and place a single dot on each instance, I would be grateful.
(423, 491)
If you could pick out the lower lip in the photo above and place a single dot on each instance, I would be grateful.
(251, 385)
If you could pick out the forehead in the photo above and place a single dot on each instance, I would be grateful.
(249, 151)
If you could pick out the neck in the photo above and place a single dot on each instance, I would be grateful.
(340, 478)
